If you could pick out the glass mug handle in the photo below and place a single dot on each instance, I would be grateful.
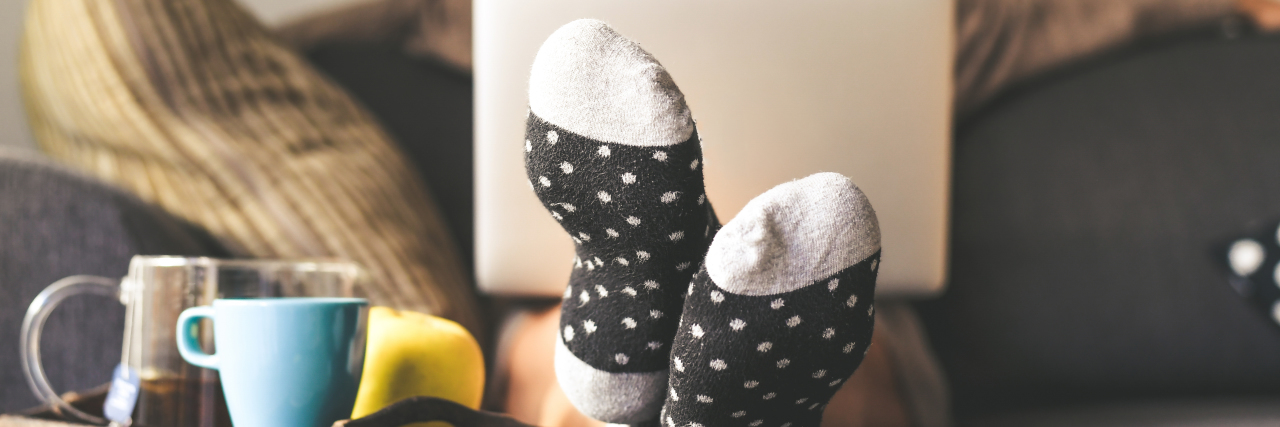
(33, 324)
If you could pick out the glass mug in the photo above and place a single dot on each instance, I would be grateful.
(154, 383)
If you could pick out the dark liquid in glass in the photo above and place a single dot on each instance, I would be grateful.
(178, 402)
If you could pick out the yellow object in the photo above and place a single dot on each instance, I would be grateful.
(413, 354)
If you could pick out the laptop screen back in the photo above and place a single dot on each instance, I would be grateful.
(779, 91)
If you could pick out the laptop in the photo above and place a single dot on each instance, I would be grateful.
(779, 90)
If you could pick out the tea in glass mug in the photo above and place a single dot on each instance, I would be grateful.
(153, 386)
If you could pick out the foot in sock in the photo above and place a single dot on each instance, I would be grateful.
(781, 313)
(612, 153)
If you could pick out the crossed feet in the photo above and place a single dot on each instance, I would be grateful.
(669, 319)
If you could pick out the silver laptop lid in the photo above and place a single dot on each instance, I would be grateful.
(779, 91)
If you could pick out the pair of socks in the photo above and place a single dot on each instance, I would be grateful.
(668, 318)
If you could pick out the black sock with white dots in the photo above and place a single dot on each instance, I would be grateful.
(781, 313)
(612, 153)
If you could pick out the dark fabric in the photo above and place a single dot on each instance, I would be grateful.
(54, 224)
(640, 223)
(426, 106)
(421, 28)
(1220, 412)
(1086, 213)
(769, 360)
(422, 409)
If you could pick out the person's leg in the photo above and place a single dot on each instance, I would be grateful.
(781, 313)
(869, 398)
(533, 396)
(612, 153)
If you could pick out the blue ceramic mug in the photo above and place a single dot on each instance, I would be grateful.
(292, 362)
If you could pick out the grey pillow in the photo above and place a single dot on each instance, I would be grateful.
(56, 223)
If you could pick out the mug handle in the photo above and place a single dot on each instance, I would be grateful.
(188, 344)
(33, 325)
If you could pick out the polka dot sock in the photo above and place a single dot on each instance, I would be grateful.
(780, 315)
(613, 154)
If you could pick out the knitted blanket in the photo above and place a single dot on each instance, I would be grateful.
(194, 106)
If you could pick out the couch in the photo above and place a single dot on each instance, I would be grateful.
(1087, 206)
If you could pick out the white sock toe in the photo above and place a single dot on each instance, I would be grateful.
(794, 234)
(591, 80)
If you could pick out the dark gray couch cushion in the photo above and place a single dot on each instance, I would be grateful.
(1086, 214)
(55, 223)
(1255, 412)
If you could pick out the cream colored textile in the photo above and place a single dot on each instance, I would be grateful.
(194, 106)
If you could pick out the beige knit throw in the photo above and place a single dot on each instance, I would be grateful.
(193, 105)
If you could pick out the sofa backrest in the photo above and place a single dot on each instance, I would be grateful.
(1086, 213)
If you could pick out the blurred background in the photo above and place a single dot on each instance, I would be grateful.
(271, 12)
